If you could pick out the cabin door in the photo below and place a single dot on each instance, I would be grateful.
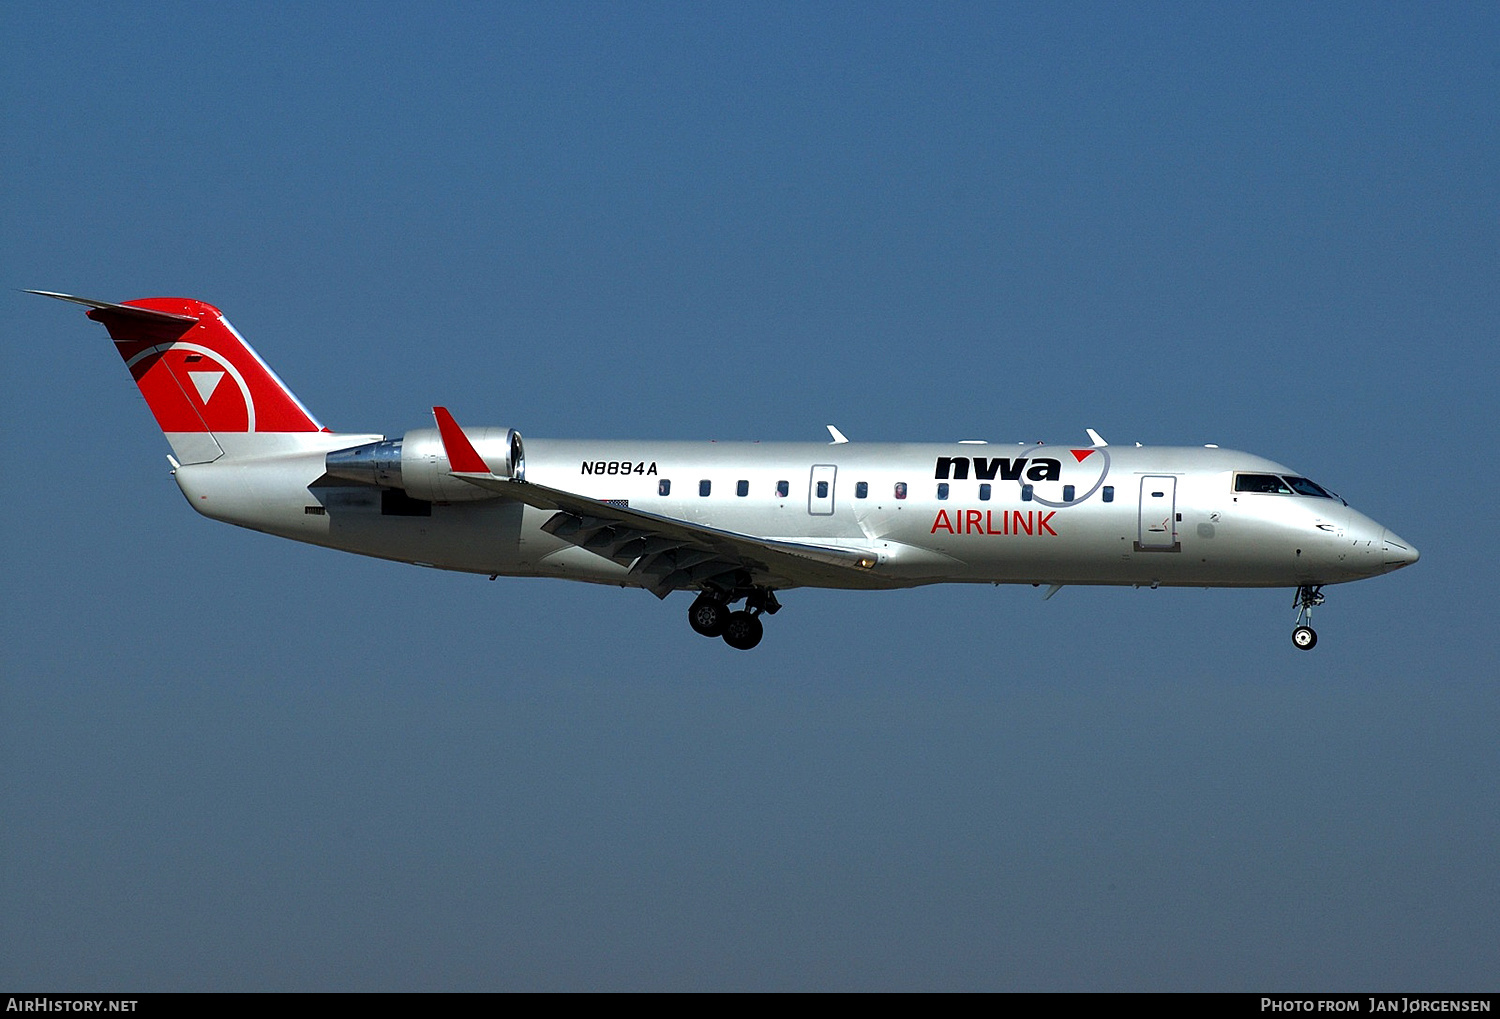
(1158, 528)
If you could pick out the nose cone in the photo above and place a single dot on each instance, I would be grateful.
(1398, 551)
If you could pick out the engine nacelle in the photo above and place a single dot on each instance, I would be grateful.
(417, 464)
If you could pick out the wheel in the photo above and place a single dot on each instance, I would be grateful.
(707, 615)
(743, 631)
(1304, 637)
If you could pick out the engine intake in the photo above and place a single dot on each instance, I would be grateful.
(417, 464)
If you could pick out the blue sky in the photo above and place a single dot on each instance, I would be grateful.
(229, 762)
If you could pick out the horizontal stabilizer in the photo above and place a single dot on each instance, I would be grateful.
(126, 310)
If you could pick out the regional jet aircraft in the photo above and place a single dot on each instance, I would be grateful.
(735, 523)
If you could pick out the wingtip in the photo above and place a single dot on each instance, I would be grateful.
(463, 458)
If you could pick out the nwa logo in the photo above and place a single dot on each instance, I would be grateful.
(1040, 468)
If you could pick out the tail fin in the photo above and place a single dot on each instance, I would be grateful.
(208, 389)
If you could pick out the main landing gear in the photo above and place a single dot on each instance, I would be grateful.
(1304, 636)
(711, 616)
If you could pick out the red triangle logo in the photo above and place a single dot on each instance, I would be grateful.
(1082, 454)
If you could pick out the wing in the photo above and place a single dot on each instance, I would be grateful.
(663, 553)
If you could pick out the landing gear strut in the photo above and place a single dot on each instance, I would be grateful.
(1304, 636)
(710, 615)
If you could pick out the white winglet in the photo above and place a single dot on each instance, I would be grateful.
(838, 436)
(1096, 438)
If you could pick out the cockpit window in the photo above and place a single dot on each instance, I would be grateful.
(1265, 483)
(1304, 487)
(1274, 485)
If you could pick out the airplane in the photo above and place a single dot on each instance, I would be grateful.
(731, 522)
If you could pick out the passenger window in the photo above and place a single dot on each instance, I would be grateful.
(822, 490)
(862, 490)
(901, 490)
(1026, 493)
(1109, 493)
(782, 488)
(984, 492)
(942, 490)
(1068, 491)
(704, 487)
(664, 487)
(742, 488)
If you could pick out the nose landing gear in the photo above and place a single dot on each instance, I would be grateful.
(710, 615)
(1304, 637)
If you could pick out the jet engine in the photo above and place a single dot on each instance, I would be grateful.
(417, 464)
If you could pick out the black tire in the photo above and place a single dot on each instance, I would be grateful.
(708, 616)
(743, 631)
(1304, 638)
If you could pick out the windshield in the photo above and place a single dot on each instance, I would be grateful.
(1302, 486)
(1268, 483)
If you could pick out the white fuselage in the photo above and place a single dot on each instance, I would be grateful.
(928, 513)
